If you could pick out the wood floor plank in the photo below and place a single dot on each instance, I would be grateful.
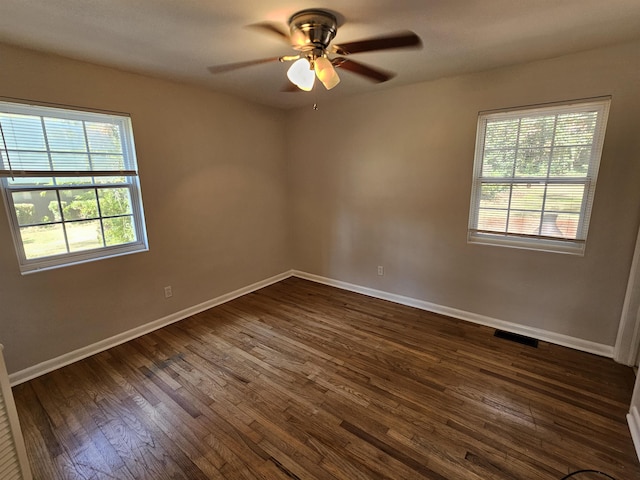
(304, 381)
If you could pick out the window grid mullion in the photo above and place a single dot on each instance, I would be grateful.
(46, 144)
(27, 150)
(104, 240)
(513, 174)
(5, 149)
(67, 187)
(88, 150)
(535, 180)
(62, 221)
(546, 184)
(535, 148)
(476, 194)
(586, 193)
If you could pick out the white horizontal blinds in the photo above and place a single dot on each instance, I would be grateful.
(49, 142)
(536, 178)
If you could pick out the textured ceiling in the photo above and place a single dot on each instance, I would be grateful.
(179, 39)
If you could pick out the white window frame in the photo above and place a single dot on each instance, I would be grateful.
(129, 173)
(540, 242)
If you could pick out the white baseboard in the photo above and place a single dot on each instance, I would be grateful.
(544, 335)
(49, 365)
(633, 419)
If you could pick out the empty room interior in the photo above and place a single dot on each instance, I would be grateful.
(424, 263)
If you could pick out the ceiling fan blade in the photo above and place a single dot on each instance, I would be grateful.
(399, 40)
(373, 74)
(227, 67)
(274, 29)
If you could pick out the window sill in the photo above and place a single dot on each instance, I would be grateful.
(541, 245)
(68, 260)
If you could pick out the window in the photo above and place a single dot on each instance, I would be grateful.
(70, 185)
(535, 176)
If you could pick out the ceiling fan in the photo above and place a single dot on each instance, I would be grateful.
(310, 33)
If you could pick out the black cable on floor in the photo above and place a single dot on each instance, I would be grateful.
(587, 471)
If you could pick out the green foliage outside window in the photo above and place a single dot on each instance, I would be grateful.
(114, 203)
(24, 212)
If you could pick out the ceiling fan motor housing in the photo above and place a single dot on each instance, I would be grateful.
(312, 29)
(311, 33)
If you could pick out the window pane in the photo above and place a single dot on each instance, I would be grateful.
(22, 132)
(107, 162)
(532, 162)
(65, 135)
(576, 128)
(501, 133)
(114, 201)
(564, 198)
(527, 197)
(104, 137)
(570, 161)
(27, 160)
(110, 180)
(70, 161)
(43, 241)
(25, 211)
(119, 230)
(84, 235)
(66, 181)
(498, 163)
(550, 226)
(29, 181)
(494, 195)
(536, 132)
(492, 220)
(527, 223)
(568, 225)
(79, 204)
(36, 207)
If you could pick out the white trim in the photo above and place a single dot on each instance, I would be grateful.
(33, 167)
(545, 335)
(539, 240)
(539, 244)
(16, 439)
(628, 341)
(47, 366)
(633, 419)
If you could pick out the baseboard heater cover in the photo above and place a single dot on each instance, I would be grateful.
(514, 337)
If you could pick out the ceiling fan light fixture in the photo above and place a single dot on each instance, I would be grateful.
(301, 75)
(326, 72)
(311, 32)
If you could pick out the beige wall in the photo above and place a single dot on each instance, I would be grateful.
(228, 194)
(212, 171)
(392, 187)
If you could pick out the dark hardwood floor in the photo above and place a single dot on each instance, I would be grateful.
(304, 381)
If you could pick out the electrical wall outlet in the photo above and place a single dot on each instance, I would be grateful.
(167, 292)
(380, 270)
